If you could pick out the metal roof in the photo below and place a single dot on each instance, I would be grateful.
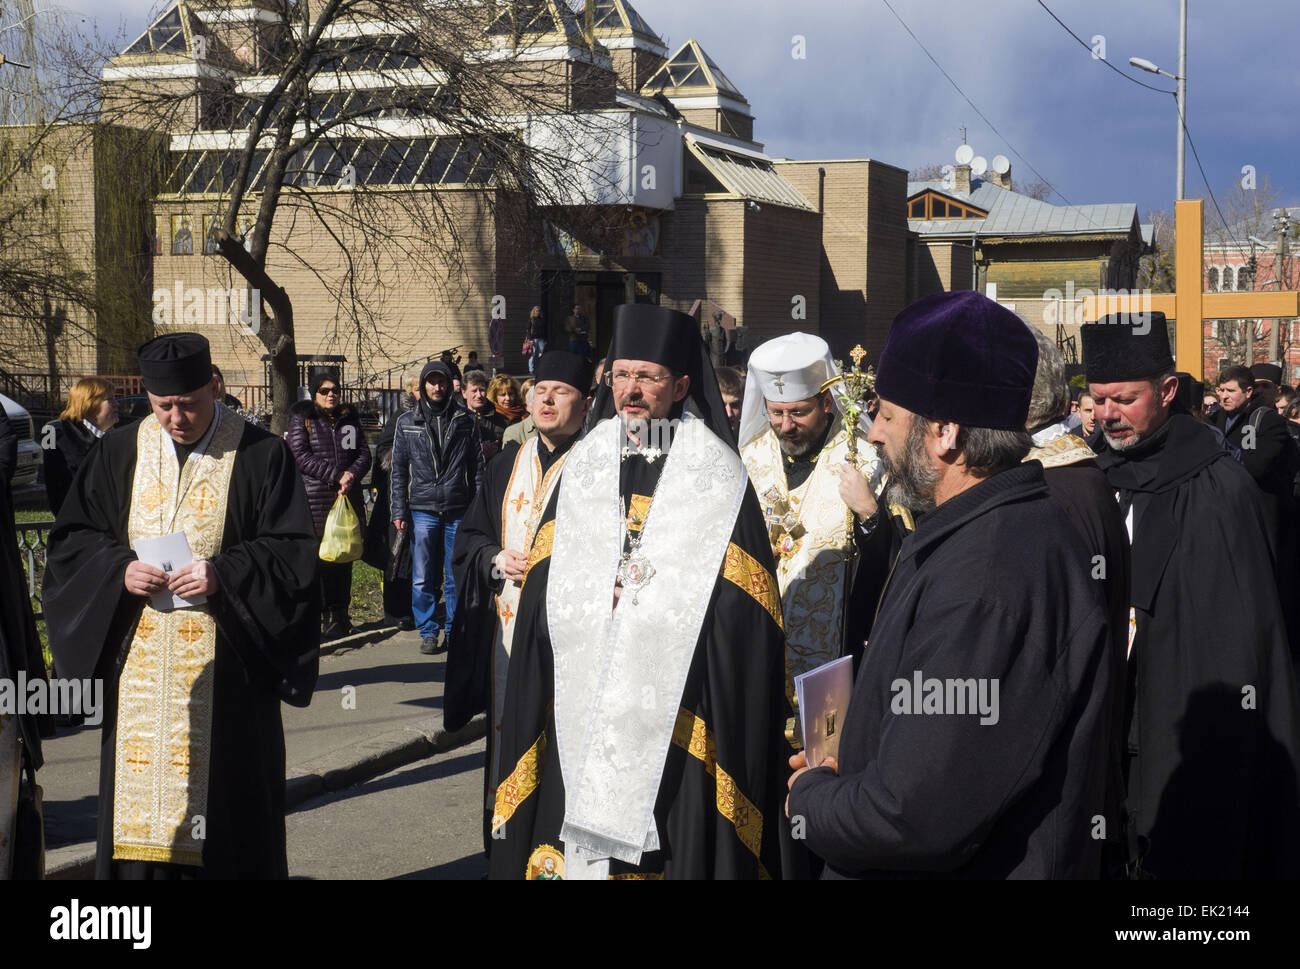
(748, 175)
(1011, 214)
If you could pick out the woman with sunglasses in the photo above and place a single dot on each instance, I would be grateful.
(330, 449)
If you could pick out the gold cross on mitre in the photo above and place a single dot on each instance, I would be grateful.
(1190, 306)
(851, 388)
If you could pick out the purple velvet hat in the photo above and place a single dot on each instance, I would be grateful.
(960, 357)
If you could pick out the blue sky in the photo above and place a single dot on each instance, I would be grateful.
(865, 89)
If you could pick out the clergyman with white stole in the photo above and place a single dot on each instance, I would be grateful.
(192, 756)
(642, 734)
(492, 548)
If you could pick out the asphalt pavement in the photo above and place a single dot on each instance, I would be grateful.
(374, 721)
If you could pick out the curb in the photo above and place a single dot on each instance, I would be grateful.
(357, 640)
(347, 767)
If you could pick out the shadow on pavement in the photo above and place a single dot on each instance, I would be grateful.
(413, 672)
(402, 778)
(470, 868)
(71, 822)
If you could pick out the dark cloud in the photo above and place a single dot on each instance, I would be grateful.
(867, 90)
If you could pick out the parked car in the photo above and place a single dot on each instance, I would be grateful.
(132, 409)
(29, 449)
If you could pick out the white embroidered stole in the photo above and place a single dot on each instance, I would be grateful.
(164, 714)
(619, 678)
(526, 497)
(10, 775)
(814, 578)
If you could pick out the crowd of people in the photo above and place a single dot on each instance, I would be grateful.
(1071, 611)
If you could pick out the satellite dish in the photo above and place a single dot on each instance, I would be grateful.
(964, 154)
(1001, 164)
(979, 166)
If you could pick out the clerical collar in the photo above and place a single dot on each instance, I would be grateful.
(548, 458)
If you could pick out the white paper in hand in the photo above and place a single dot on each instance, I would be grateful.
(171, 553)
(824, 695)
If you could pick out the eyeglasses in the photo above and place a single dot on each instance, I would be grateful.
(328, 392)
(621, 378)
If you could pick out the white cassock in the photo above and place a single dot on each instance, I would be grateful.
(811, 527)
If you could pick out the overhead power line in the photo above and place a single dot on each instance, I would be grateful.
(973, 105)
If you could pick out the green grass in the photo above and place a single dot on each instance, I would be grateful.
(367, 594)
(34, 508)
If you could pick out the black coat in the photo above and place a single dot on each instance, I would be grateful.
(386, 549)
(20, 646)
(990, 586)
(321, 450)
(72, 442)
(436, 469)
(1268, 460)
(1213, 735)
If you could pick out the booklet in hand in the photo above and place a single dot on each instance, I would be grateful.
(171, 553)
(823, 696)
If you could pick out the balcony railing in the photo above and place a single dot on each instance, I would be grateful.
(33, 544)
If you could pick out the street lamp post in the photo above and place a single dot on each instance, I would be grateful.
(1181, 77)
(1282, 226)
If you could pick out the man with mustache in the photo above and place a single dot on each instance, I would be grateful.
(821, 512)
(492, 547)
(1212, 729)
(644, 702)
(991, 590)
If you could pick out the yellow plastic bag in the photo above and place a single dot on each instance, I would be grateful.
(342, 541)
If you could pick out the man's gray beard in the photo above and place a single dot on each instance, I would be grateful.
(805, 448)
(913, 480)
(1132, 442)
(802, 452)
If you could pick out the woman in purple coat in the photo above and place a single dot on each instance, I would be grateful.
(332, 455)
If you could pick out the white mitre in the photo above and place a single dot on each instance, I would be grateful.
(790, 368)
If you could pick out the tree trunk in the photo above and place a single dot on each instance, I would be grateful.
(276, 334)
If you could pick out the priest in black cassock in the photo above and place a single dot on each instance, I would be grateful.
(975, 742)
(20, 652)
(1212, 737)
(192, 759)
(643, 733)
(492, 547)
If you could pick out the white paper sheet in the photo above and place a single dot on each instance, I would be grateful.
(171, 553)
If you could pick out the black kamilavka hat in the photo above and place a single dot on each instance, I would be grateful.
(1117, 349)
(175, 364)
(671, 339)
(567, 368)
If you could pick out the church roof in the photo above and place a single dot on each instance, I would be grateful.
(542, 21)
(689, 73)
(618, 18)
(1011, 213)
(172, 33)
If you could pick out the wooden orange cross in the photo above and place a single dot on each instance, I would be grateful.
(1190, 306)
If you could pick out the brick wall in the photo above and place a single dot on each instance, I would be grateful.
(864, 233)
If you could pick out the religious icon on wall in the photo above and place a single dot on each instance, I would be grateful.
(159, 234)
(545, 865)
(210, 226)
(182, 235)
(244, 226)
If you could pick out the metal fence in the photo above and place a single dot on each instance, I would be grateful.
(33, 542)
